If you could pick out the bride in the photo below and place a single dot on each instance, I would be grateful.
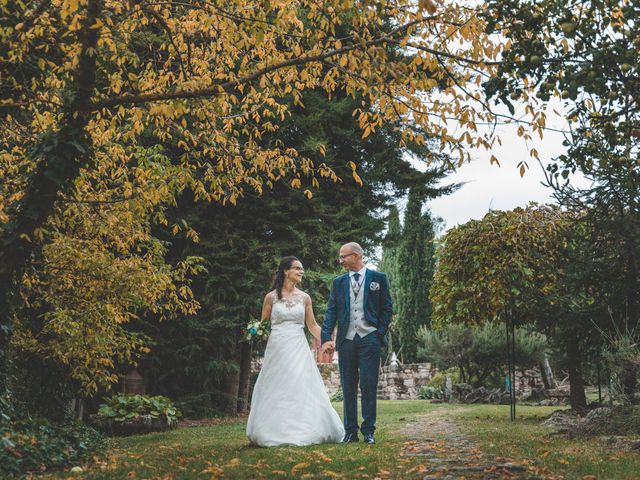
(289, 405)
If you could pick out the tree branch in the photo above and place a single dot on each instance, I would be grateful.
(223, 87)
(445, 54)
(158, 18)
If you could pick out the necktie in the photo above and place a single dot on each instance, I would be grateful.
(355, 287)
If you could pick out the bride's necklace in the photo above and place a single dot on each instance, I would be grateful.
(289, 300)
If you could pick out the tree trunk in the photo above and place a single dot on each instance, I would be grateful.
(547, 373)
(232, 380)
(245, 377)
(577, 396)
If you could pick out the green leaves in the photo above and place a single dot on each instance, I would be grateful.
(29, 445)
(501, 265)
(479, 352)
(124, 407)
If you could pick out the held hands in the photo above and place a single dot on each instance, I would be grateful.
(329, 347)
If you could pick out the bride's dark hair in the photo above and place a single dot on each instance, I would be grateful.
(278, 281)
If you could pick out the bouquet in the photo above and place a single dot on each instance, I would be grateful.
(257, 330)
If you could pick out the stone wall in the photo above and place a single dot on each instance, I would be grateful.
(403, 382)
(395, 383)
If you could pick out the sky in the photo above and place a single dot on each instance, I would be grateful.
(493, 187)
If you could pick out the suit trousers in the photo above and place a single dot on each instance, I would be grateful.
(359, 362)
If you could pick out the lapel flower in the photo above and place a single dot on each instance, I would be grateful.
(374, 286)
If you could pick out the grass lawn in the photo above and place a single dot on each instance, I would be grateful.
(223, 451)
(526, 438)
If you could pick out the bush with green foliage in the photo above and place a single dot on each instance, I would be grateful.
(36, 445)
(338, 396)
(124, 407)
(435, 387)
(439, 379)
(479, 353)
(429, 393)
(621, 354)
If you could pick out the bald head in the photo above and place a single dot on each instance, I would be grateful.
(351, 257)
(353, 247)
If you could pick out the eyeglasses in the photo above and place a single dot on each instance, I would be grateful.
(342, 257)
(300, 269)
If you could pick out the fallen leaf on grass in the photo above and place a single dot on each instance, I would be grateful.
(589, 477)
(234, 462)
(321, 456)
(299, 466)
(417, 469)
(329, 473)
(214, 470)
(278, 472)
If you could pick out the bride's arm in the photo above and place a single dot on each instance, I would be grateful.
(310, 319)
(266, 307)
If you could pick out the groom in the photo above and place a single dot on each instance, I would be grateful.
(361, 304)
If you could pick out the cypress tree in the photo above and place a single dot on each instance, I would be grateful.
(415, 262)
(389, 264)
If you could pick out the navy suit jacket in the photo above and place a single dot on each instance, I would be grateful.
(378, 307)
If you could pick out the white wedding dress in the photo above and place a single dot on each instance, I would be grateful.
(289, 405)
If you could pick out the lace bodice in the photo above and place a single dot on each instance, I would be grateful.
(288, 309)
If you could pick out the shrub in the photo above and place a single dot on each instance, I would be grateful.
(427, 393)
(479, 352)
(621, 355)
(439, 379)
(122, 407)
(36, 445)
(338, 396)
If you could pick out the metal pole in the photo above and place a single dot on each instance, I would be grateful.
(513, 367)
(599, 385)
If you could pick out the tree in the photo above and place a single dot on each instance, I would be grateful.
(101, 269)
(586, 53)
(88, 83)
(389, 263)
(489, 267)
(516, 266)
(415, 263)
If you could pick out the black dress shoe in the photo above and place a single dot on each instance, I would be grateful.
(368, 439)
(350, 438)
